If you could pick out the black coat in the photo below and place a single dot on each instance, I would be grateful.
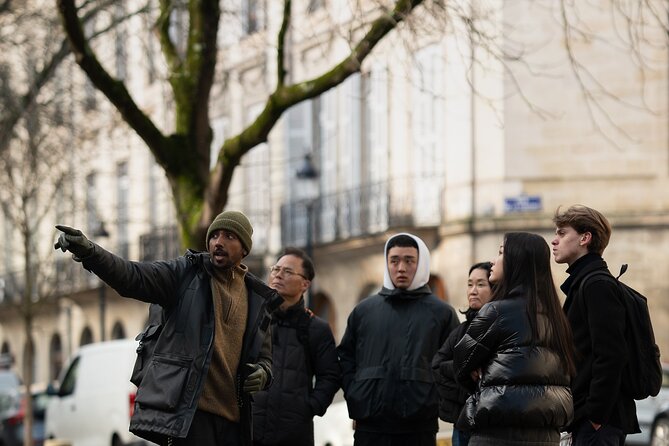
(524, 391)
(452, 395)
(283, 414)
(386, 355)
(598, 320)
(168, 393)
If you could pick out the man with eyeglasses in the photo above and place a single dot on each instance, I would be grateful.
(305, 366)
(211, 346)
(387, 349)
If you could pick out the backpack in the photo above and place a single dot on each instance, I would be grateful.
(642, 375)
(303, 322)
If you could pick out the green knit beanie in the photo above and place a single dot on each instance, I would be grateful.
(235, 222)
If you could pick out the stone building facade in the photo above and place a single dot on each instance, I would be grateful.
(434, 136)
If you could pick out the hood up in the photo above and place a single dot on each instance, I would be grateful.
(422, 271)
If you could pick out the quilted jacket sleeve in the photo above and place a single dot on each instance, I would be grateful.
(477, 346)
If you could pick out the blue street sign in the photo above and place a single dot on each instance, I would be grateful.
(522, 203)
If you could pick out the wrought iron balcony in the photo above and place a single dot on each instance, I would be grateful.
(160, 244)
(369, 209)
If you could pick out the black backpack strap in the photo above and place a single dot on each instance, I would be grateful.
(303, 323)
(605, 275)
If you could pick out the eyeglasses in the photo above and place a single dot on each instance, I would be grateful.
(287, 272)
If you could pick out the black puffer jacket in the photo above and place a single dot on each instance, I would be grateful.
(524, 392)
(452, 395)
(386, 355)
(173, 380)
(283, 414)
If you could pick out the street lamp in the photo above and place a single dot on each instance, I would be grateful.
(102, 232)
(307, 171)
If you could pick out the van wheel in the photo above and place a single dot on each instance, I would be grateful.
(660, 435)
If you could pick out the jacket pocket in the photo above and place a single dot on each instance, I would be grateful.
(147, 344)
(365, 394)
(415, 394)
(164, 382)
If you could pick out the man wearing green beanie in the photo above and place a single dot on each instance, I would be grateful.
(235, 222)
(207, 346)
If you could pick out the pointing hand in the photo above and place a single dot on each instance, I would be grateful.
(75, 241)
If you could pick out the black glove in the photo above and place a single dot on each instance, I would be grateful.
(256, 380)
(75, 241)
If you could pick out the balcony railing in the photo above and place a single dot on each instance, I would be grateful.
(367, 210)
(160, 244)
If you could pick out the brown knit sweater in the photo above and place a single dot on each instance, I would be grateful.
(230, 296)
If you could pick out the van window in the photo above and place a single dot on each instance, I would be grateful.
(70, 379)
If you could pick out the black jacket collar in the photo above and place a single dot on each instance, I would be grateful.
(589, 262)
(398, 293)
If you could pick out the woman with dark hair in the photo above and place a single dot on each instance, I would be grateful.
(517, 354)
(452, 396)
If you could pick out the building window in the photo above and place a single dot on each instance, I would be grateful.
(252, 16)
(90, 101)
(8, 245)
(92, 221)
(315, 5)
(375, 149)
(257, 178)
(120, 43)
(55, 357)
(178, 30)
(219, 127)
(29, 352)
(153, 194)
(427, 134)
(122, 189)
(118, 332)
(86, 337)
(322, 305)
(150, 49)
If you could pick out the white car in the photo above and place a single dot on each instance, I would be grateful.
(95, 400)
(653, 416)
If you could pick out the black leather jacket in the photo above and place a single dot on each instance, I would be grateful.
(173, 380)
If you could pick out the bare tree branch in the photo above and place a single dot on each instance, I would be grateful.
(281, 46)
(115, 90)
(23, 105)
(286, 96)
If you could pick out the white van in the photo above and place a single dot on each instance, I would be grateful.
(95, 400)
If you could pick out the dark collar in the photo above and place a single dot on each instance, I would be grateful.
(589, 262)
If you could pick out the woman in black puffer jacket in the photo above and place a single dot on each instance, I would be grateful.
(517, 354)
(452, 396)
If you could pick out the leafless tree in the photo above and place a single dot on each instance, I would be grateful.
(32, 183)
(16, 19)
(36, 151)
(184, 154)
(199, 192)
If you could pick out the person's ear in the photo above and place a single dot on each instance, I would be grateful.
(585, 238)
